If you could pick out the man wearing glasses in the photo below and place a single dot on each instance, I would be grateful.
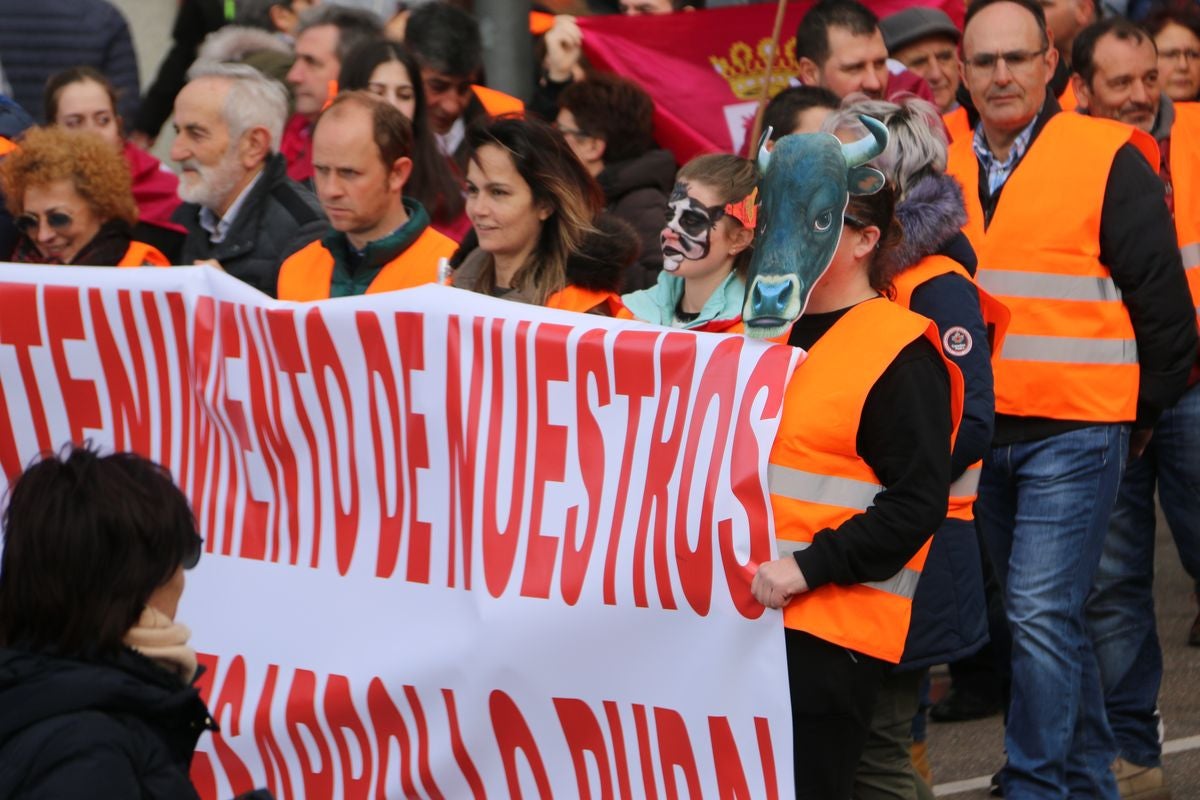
(1117, 77)
(1068, 219)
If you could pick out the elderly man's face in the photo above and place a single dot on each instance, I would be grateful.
(1006, 65)
(936, 60)
(210, 167)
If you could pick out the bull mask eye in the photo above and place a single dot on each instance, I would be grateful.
(823, 222)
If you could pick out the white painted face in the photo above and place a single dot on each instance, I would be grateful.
(687, 235)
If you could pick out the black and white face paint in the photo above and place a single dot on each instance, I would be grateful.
(692, 222)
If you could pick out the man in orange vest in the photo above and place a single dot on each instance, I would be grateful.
(1072, 233)
(1116, 77)
(380, 240)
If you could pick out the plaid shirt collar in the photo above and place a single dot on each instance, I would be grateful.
(997, 170)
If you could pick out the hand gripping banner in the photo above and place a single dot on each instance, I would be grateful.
(455, 547)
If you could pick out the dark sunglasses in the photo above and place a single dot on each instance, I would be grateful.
(28, 223)
(191, 556)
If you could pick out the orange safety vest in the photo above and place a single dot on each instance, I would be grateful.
(7, 146)
(818, 480)
(965, 488)
(575, 298)
(141, 254)
(1185, 187)
(1070, 352)
(1067, 100)
(496, 102)
(957, 124)
(307, 274)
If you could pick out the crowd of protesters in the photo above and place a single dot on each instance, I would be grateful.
(1008, 318)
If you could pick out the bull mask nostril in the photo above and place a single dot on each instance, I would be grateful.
(770, 300)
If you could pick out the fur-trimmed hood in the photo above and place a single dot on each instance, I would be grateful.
(236, 42)
(930, 215)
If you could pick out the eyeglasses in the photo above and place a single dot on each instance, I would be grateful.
(1015, 60)
(1187, 54)
(572, 132)
(854, 222)
(29, 223)
(192, 556)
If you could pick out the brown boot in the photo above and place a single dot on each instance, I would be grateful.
(1136, 782)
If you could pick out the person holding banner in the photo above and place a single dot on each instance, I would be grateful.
(706, 248)
(96, 695)
(859, 480)
(71, 199)
(534, 209)
(381, 241)
(931, 274)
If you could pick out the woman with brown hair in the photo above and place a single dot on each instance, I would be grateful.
(536, 236)
(69, 194)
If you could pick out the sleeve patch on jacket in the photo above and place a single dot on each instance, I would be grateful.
(957, 342)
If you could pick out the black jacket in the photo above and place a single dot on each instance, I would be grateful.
(195, 20)
(278, 218)
(120, 728)
(636, 191)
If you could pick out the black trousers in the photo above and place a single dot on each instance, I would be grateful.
(833, 696)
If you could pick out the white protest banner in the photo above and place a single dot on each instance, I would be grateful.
(455, 547)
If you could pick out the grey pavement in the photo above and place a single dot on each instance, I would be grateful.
(965, 754)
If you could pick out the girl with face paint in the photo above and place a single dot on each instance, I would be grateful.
(706, 246)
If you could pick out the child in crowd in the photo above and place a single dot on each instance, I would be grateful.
(706, 246)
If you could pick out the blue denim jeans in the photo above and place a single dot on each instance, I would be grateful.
(1043, 510)
(1120, 611)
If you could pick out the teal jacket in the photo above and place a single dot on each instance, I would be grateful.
(722, 312)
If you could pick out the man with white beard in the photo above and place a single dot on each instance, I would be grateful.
(242, 212)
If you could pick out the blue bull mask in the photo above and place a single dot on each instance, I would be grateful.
(806, 184)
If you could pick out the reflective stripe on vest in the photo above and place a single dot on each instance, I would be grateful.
(1070, 352)
(1185, 183)
(818, 481)
(902, 584)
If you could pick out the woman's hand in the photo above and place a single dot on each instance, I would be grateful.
(776, 582)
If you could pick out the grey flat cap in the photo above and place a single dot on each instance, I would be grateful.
(914, 24)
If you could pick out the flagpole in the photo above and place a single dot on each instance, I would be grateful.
(765, 95)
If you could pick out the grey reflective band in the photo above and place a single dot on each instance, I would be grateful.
(903, 583)
(1069, 350)
(967, 483)
(1048, 285)
(812, 487)
(1190, 254)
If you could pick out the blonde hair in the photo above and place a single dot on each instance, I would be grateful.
(47, 155)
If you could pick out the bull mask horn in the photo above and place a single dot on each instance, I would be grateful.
(866, 148)
(764, 155)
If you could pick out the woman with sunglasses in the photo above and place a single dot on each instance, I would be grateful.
(96, 695)
(81, 98)
(537, 235)
(69, 194)
(387, 69)
(706, 248)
